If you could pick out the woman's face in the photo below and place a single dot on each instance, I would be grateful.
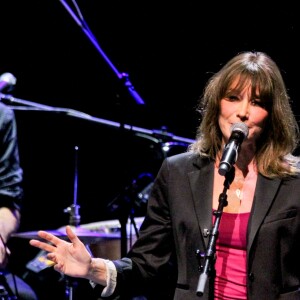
(241, 106)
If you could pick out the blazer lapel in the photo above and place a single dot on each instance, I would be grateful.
(264, 195)
(201, 182)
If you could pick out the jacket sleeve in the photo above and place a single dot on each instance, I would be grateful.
(11, 174)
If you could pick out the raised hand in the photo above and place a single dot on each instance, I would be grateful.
(70, 258)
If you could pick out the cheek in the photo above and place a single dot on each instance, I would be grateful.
(260, 117)
(226, 110)
(258, 122)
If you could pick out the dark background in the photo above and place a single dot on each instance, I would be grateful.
(169, 49)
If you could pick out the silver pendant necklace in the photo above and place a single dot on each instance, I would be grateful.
(239, 194)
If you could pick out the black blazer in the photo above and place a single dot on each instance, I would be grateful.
(180, 212)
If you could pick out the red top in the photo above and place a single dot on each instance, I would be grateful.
(230, 282)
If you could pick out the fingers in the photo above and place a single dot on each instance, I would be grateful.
(50, 238)
(72, 236)
(53, 240)
(42, 245)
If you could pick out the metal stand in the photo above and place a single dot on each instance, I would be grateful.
(124, 77)
(5, 291)
(70, 284)
(207, 269)
(124, 204)
(73, 209)
(74, 220)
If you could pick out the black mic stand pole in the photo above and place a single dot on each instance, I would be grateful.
(207, 269)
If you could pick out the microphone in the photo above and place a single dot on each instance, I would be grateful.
(7, 82)
(239, 131)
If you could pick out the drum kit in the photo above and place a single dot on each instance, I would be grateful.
(109, 239)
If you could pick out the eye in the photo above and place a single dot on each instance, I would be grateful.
(232, 98)
(257, 102)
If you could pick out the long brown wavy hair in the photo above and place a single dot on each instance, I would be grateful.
(281, 134)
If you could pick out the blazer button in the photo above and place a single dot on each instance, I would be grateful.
(251, 276)
(206, 232)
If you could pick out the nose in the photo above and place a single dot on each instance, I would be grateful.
(243, 109)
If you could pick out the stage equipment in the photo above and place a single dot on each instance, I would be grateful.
(5, 291)
(124, 77)
(7, 82)
(20, 104)
(167, 140)
(162, 137)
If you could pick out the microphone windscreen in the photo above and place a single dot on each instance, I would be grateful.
(240, 127)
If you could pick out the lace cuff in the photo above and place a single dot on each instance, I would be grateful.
(111, 280)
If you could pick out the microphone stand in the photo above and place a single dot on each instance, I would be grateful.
(124, 77)
(158, 135)
(210, 255)
(33, 106)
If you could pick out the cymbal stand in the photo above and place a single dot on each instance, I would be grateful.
(70, 284)
(74, 220)
(73, 209)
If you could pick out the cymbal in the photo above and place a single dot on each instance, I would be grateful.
(83, 234)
